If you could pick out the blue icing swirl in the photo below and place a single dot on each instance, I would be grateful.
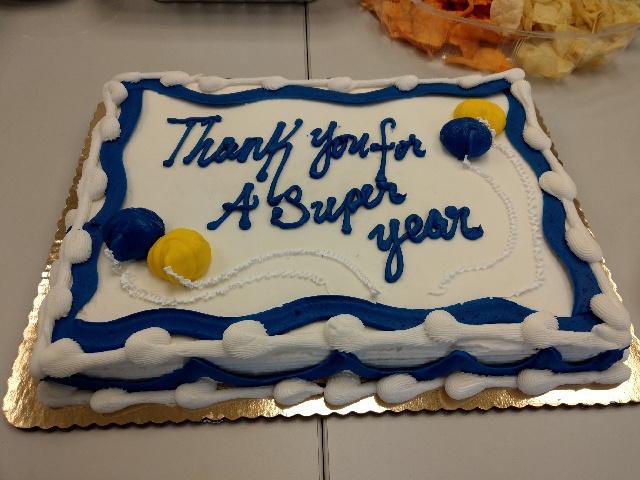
(466, 137)
(131, 232)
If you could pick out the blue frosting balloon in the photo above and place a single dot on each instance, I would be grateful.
(131, 232)
(466, 137)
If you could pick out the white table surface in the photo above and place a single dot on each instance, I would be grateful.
(55, 57)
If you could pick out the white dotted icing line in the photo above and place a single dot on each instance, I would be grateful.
(532, 216)
(199, 284)
(210, 84)
(127, 280)
(511, 239)
(534, 221)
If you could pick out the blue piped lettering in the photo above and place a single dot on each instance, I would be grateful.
(331, 147)
(243, 204)
(411, 144)
(383, 147)
(334, 148)
(416, 231)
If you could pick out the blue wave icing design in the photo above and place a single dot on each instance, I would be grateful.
(94, 337)
(294, 315)
(456, 361)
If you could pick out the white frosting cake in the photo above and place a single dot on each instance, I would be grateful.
(351, 252)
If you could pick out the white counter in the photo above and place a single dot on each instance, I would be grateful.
(54, 58)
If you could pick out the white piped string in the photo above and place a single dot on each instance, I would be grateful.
(536, 232)
(200, 284)
(533, 220)
(127, 280)
(511, 240)
(115, 264)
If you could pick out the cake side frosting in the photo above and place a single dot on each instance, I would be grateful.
(399, 345)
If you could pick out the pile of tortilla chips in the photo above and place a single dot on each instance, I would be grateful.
(492, 35)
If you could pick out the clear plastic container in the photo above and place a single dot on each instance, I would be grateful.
(488, 47)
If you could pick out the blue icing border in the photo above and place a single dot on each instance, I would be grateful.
(296, 314)
(94, 337)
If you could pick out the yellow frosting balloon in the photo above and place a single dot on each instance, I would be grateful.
(185, 251)
(489, 111)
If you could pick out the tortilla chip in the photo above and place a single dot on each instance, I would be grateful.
(554, 58)
(430, 32)
(485, 58)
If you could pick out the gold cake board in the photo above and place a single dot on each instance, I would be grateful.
(23, 410)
